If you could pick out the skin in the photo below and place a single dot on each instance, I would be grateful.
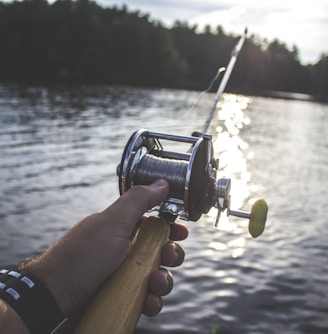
(69, 268)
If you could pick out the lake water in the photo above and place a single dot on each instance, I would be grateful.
(60, 147)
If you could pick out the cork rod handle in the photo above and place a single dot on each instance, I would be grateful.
(117, 306)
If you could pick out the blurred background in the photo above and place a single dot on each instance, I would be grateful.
(78, 78)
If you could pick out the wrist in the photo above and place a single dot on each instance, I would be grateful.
(43, 271)
(62, 270)
(31, 300)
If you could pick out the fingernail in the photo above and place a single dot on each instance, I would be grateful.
(160, 183)
(175, 255)
(169, 279)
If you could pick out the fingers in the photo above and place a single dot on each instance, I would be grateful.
(139, 199)
(160, 284)
(145, 197)
(178, 232)
(129, 208)
(152, 306)
(172, 255)
(161, 281)
(133, 204)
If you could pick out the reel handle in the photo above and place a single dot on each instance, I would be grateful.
(257, 217)
(118, 304)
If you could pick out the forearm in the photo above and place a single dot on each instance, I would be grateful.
(70, 271)
(10, 322)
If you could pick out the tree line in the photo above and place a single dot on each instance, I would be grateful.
(81, 41)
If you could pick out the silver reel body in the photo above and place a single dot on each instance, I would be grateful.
(191, 174)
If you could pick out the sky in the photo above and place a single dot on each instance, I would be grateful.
(303, 23)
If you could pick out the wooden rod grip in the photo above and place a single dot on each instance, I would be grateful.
(117, 306)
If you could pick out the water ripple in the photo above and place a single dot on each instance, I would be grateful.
(60, 147)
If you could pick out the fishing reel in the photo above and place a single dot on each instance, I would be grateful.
(191, 174)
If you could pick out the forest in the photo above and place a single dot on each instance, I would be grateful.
(83, 42)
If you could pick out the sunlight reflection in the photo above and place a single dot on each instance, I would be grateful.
(237, 243)
(238, 246)
(232, 149)
(233, 153)
(217, 246)
(237, 252)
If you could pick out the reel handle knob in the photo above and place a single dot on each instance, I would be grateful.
(257, 217)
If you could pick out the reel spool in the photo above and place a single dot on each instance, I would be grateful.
(191, 176)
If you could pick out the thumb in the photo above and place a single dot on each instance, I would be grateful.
(128, 209)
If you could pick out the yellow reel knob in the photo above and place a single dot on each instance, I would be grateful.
(258, 218)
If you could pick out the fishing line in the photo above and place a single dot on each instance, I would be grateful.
(151, 168)
(194, 190)
(207, 90)
(196, 102)
(227, 73)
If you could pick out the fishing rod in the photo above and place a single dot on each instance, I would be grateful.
(194, 190)
(225, 79)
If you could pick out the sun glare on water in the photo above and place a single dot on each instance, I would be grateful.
(233, 152)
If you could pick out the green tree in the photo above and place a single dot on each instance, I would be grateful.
(78, 40)
(285, 71)
(319, 78)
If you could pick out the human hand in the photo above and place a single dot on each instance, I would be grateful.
(94, 248)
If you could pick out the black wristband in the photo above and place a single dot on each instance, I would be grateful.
(31, 300)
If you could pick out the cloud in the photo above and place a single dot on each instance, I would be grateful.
(295, 22)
